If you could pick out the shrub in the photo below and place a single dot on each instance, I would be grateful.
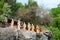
(55, 33)
(1, 18)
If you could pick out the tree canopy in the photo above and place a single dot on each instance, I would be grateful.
(56, 16)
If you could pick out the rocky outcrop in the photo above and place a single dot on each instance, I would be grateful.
(15, 34)
(29, 35)
(45, 35)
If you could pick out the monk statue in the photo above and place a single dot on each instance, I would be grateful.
(18, 24)
(29, 26)
(24, 26)
(12, 23)
(33, 27)
(38, 29)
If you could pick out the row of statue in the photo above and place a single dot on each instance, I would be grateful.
(30, 27)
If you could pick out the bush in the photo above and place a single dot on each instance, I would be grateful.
(55, 33)
(1, 18)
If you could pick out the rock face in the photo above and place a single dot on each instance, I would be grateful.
(15, 34)
(45, 35)
(29, 35)
(7, 34)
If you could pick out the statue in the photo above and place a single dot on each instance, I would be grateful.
(24, 26)
(12, 23)
(33, 27)
(29, 26)
(38, 29)
(18, 24)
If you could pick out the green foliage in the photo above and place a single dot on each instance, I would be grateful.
(1, 4)
(16, 6)
(58, 5)
(1, 11)
(55, 11)
(6, 8)
(1, 7)
(1, 18)
(32, 3)
(56, 17)
(55, 33)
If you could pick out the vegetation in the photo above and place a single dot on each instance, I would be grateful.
(56, 17)
(55, 33)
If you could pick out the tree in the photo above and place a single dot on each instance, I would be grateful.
(1, 6)
(27, 11)
(56, 18)
(32, 3)
(6, 9)
(15, 7)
